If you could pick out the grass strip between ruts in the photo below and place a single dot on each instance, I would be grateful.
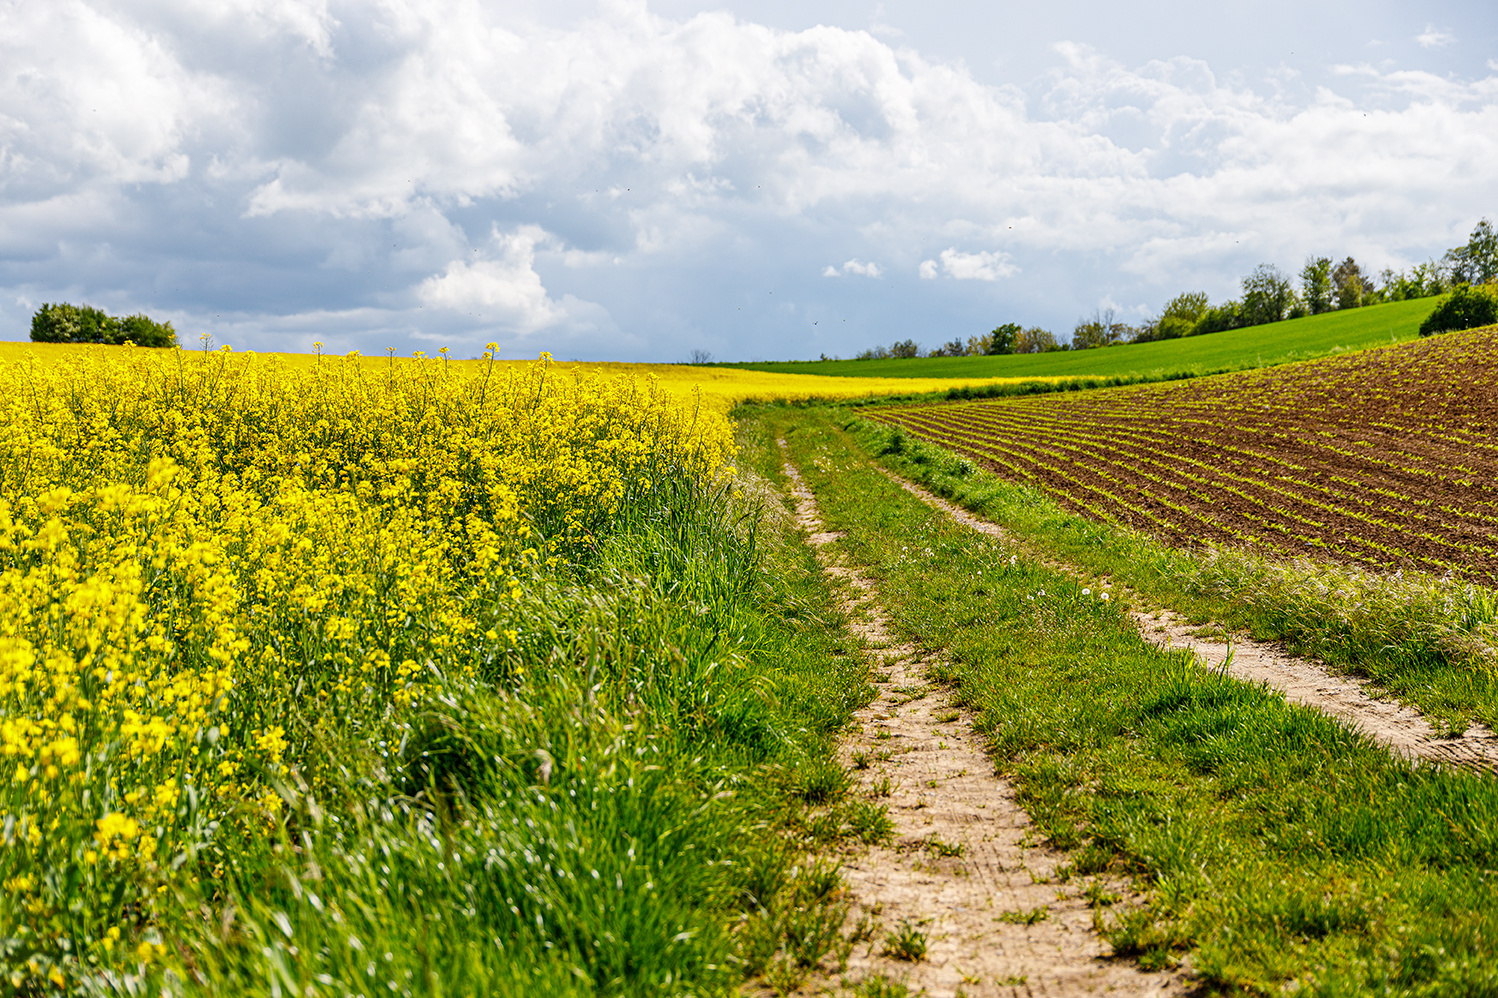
(1277, 845)
(1431, 642)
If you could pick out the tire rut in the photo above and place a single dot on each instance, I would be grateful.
(1402, 730)
(961, 869)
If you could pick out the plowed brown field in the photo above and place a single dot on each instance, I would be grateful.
(1386, 458)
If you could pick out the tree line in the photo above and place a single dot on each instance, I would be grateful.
(1268, 295)
(65, 323)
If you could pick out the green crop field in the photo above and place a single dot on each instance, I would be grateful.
(1255, 346)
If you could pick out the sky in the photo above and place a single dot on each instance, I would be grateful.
(626, 180)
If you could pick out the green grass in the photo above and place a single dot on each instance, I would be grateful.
(1431, 642)
(1256, 346)
(632, 804)
(1278, 848)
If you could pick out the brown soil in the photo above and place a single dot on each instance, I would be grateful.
(962, 869)
(1401, 729)
(1386, 458)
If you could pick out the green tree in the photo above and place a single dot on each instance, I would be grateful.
(1351, 286)
(1228, 315)
(1188, 305)
(1035, 340)
(1178, 318)
(1267, 295)
(1102, 330)
(1476, 262)
(905, 349)
(1316, 285)
(145, 332)
(65, 323)
(1001, 340)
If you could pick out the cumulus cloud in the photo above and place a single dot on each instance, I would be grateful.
(1432, 37)
(980, 266)
(504, 285)
(635, 185)
(854, 266)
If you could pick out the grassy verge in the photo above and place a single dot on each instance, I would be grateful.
(1278, 847)
(625, 806)
(1431, 642)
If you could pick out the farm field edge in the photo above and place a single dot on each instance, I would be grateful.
(1279, 848)
(1430, 641)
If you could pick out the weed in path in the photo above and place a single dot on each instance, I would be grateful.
(826, 828)
(870, 823)
(941, 848)
(1098, 895)
(905, 943)
(1022, 917)
(880, 986)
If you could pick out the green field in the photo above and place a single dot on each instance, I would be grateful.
(1255, 346)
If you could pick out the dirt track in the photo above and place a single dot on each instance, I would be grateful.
(1401, 729)
(960, 870)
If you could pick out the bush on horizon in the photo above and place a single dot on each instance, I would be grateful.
(67, 323)
(1467, 307)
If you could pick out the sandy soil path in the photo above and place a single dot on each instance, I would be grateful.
(961, 869)
(1401, 729)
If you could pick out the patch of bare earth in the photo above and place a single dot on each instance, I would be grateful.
(961, 875)
(1403, 730)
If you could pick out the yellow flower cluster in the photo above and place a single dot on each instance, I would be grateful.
(201, 552)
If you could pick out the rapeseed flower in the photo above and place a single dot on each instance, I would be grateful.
(204, 558)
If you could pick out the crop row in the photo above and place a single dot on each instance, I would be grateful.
(1386, 458)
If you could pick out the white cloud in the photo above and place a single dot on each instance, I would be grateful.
(316, 158)
(980, 266)
(1432, 37)
(854, 266)
(501, 287)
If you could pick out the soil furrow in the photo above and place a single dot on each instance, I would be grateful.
(960, 872)
(1400, 729)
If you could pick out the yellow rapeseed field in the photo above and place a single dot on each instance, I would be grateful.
(719, 387)
(196, 547)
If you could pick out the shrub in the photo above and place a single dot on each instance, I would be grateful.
(144, 332)
(1172, 327)
(65, 323)
(1465, 308)
(1035, 340)
(1218, 318)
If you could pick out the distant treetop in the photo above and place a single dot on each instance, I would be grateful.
(65, 323)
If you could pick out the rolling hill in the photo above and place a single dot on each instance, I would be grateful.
(1255, 346)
